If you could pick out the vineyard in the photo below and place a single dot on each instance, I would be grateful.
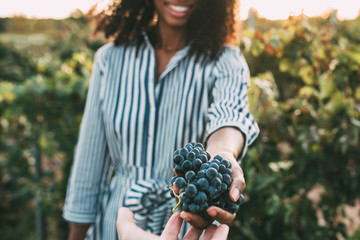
(302, 172)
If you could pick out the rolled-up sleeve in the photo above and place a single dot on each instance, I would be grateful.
(229, 106)
(91, 160)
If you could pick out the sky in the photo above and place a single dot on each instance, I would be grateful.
(272, 9)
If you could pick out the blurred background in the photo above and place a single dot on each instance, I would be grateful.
(303, 171)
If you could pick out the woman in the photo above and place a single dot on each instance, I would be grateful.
(168, 78)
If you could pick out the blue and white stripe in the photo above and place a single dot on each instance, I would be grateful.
(133, 123)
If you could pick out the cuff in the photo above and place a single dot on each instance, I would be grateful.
(77, 217)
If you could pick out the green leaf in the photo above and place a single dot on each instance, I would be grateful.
(307, 74)
(285, 65)
(327, 86)
(336, 103)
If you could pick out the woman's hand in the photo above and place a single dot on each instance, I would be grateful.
(216, 213)
(127, 229)
(227, 142)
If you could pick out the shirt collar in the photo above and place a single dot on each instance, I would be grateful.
(174, 61)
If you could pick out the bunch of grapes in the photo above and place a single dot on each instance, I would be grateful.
(202, 182)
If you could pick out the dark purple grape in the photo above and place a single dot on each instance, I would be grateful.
(220, 176)
(196, 152)
(194, 208)
(178, 158)
(183, 152)
(224, 187)
(241, 200)
(203, 206)
(196, 164)
(222, 168)
(180, 182)
(214, 165)
(188, 146)
(226, 163)
(212, 191)
(199, 149)
(222, 203)
(190, 155)
(215, 182)
(186, 165)
(191, 190)
(199, 145)
(203, 183)
(201, 174)
(227, 179)
(186, 199)
(173, 179)
(178, 169)
(190, 175)
(216, 161)
(204, 166)
(185, 207)
(203, 158)
(200, 197)
(211, 173)
(218, 157)
(232, 207)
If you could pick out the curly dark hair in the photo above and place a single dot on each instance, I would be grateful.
(212, 24)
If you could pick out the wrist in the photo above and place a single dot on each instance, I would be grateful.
(227, 154)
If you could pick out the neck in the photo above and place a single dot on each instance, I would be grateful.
(170, 39)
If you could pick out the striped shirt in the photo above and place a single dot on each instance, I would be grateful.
(133, 124)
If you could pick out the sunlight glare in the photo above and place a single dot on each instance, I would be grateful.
(275, 9)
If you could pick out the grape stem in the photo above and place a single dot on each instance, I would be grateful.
(178, 196)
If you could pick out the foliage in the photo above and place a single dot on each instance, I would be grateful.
(41, 104)
(305, 95)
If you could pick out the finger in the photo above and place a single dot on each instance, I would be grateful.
(127, 229)
(216, 233)
(124, 217)
(192, 234)
(238, 183)
(195, 220)
(172, 228)
(176, 189)
(221, 215)
(209, 232)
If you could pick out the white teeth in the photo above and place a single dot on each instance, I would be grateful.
(178, 8)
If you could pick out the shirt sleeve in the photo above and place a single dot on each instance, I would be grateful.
(91, 160)
(229, 105)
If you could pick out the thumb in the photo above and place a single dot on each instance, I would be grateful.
(124, 214)
(172, 228)
(124, 218)
(127, 229)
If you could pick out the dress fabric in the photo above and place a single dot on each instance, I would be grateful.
(132, 124)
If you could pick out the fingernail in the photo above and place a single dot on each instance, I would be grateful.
(211, 212)
(235, 194)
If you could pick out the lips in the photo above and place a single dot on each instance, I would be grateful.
(177, 10)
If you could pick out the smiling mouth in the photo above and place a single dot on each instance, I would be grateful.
(178, 10)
